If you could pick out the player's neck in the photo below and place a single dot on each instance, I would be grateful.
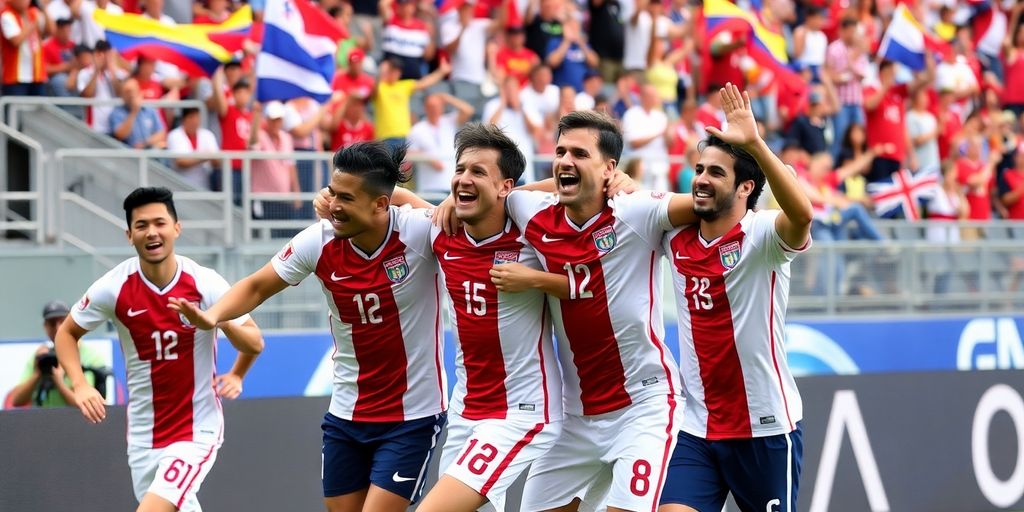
(160, 274)
(581, 213)
(369, 241)
(710, 230)
(486, 228)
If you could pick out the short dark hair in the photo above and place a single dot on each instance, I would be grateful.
(511, 161)
(187, 111)
(377, 163)
(609, 137)
(885, 64)
(745, 167)
(392, 61)
(63, 22)
(148, 195)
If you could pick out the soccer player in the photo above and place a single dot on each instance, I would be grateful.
(380, 278)
(741, 423)
(175, 423)
(619, 383)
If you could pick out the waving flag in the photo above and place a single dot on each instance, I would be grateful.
(297, 58)
(766, 47)
(196, 49)
(904, 192)
(989, 25)
(906, 40)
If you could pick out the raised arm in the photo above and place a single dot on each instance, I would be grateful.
(242, 298)
(794, 223)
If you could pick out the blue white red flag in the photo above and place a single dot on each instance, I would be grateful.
(298, 53)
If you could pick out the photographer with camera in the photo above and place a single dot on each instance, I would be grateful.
(44, 384)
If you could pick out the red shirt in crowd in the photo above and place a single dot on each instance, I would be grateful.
(951, 125)
(361, 86)
(707, 115)
(1013, 93)
(516, 63)
(52, 50)
(886, 123)
(235, 127)
(348, 134)
(1015, 179)
(978, 202)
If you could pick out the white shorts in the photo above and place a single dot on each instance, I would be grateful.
(488, 455)
(174, 473)
(618, 459)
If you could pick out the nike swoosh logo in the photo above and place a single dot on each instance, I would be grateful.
(133, 314)
(401, 479)
(336, 278)
(544, 238)
(681, 257)
(450, 258)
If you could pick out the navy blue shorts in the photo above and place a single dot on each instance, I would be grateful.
(762, 473)
(392, 455)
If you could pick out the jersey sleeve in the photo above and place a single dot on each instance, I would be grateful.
(775, 249)
(522, 205)
(299, 257)
(97, 305)
(213, 286)
(645, 212)
(416, 230)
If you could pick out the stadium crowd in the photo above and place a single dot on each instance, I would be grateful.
(847, 120)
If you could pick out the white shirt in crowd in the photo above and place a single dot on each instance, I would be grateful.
(638, 123)
(99, 115)
(514, 123)
(469, 59)
(544, 103)
(198, 175)
(436, 142)
(638, 39)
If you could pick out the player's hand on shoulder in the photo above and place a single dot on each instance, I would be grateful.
(195, 316)
(619, 182)
(321, 203)
(444, 216)
(512, 277)
(229, 386)
(91, 403)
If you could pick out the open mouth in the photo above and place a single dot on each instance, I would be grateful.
(464, 198)
(703, 194)
(338, 221)
(154, 246)
(567, 180)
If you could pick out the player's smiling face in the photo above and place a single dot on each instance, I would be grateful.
(478, 186)
(153, 232)
(580, 169)
(352, 207)
(714, 184)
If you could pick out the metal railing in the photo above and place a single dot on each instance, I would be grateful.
(12, 106)
(33, 196)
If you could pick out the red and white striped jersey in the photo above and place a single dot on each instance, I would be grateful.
(505, 362)
(731, 296)
(610, 331)
(385, 317)
(170, 364)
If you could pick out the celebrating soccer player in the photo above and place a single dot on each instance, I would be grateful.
(175, 424)
(380, 280)
(731, 271)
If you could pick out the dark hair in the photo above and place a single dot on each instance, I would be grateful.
(848, 21)
(148, 195)
(80, 49)
(885, 64)
(511, 161)
(377, 163)
(745, 167)
(63, 22)
(609, 137)
(187, 111)
(393, 62)
(848, 137)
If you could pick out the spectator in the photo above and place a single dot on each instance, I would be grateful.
(153, 88)
(540, 94)
(685, 133)
(949, 122)
(1012, 186)
(81, 58)
(274, 175)
(592, 86)
(22, 27)
(85, 30)
(847, 63)
(648, 20)
(627, 94)
(433, 138)
(570, 57)
(923, 130)
(809, 129)
(945, 209)
(645, 130)
(58, 58)
(346, 122)
(521, 122)
(212, 13)
(154, 10)
(43, 384)
(885, 105)
(543, 22)
(408, 41)
(101, 81)
(725, 53)
(976, 176)
(607, 36)
(513, 58)
(710, 112)
(391, 99)
(661, 73)
(235, 116)
(464, 37)
(1013, 52)
(810, 43)
(191, 137)
(855, 158)
(302, 120)
(353, 81)
(566, 101)
(684, 180)
(134, 124)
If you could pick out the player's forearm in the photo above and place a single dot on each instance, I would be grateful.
(242, 364)
(242, 298)
(246, 338)
(66, 347)
(65, 392)
(786, 188)
(555, 285)
(403, 196)
(545, 185)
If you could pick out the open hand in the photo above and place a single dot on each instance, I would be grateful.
(742, 130)
(91, 403)
(199, 318)
(229, 386)
(444, 216)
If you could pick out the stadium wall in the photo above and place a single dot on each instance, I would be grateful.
(934, 441)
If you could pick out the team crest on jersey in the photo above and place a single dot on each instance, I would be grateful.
(505, 257)
(84, 303)
(657, 195)
(604, 239)
(286, 252)
(730, 254)
(396, 269)
(184, 319)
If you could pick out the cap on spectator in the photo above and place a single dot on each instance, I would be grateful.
(101, 46)
(356, 56)
(63, 22)
(274, 110)
(55, 309)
